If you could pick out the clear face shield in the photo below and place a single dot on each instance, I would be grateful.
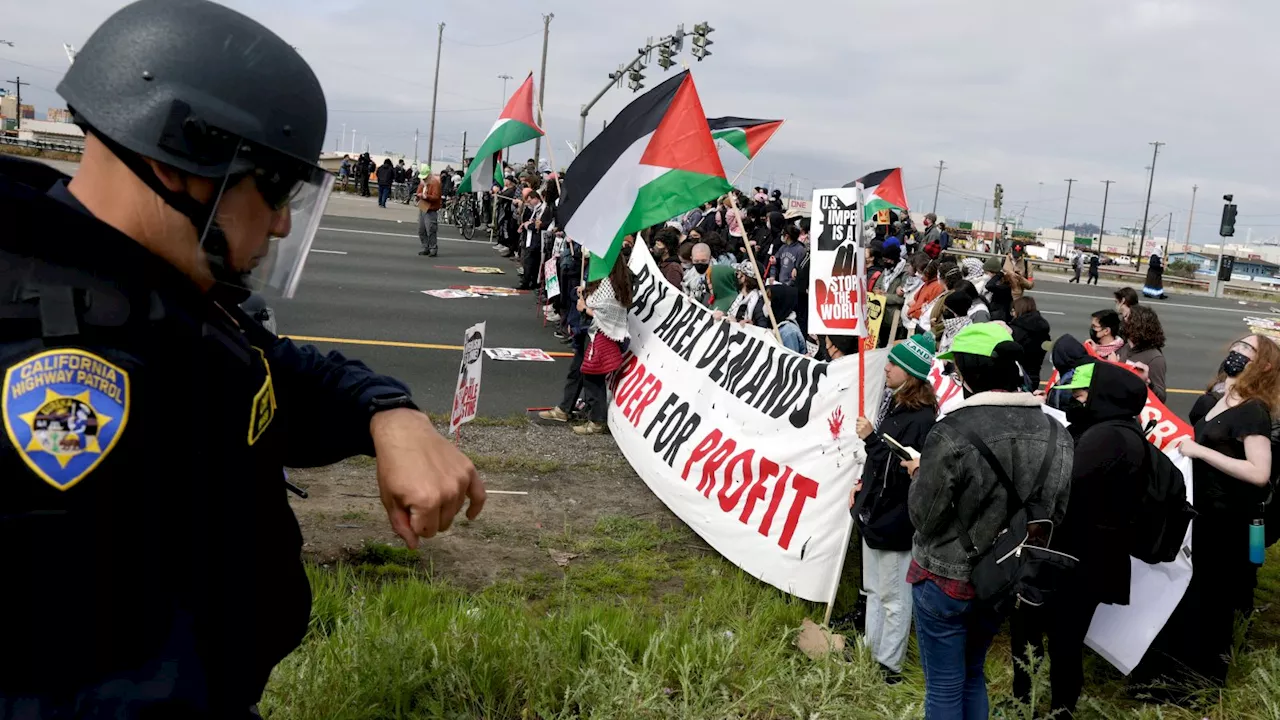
(263, 225)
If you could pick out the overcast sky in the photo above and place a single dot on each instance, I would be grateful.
(1020, 93)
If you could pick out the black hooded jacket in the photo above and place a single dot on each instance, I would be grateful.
(1031, 331)
(1067, 355)
(1107, 479)
(881, 505)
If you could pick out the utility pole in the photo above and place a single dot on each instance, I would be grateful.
(937, 186)
(1062, 241)
(415, 150)
(341, 137)
(1147, 208)
(1186, 246)
(353, 140)
(464, 149)
(1103, 227)
(435, 89)
(1168, 234)
(17, 83)
(542, 83)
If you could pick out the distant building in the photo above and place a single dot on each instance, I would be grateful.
(52, 133)
(9, 108)
(28, 112)
(1244, 269)
(58, 115)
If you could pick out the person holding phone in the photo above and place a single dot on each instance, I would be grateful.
(880, 499)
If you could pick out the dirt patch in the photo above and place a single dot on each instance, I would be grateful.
(573, 482)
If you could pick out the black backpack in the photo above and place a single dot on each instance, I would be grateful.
(1162, 513)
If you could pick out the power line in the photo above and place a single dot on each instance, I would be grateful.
(497, 44)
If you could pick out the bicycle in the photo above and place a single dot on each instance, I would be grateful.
(464, 215)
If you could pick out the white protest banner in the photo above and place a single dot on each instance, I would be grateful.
(466, 395)
(1123, 633)
(837, 264)
(552, 280)
(749, 443)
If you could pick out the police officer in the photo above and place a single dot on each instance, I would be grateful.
(150, 558)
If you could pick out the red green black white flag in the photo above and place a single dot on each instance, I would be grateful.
(655, 160)
(514, 126)
(883, 190)
(746, 135)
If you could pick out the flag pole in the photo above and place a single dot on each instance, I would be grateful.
(752, 159)
(768, 306)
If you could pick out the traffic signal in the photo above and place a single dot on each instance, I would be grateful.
(664, 57)
(636, 80)
(1228, 228)
(999, 195)
(700, 40)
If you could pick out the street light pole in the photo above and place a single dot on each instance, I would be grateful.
(504, 78)
(1062, 241)
(542, 83)
(1103, 227)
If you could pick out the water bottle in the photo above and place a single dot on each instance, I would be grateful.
(1257, 541)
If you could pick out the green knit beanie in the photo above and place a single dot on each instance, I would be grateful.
(914, 355)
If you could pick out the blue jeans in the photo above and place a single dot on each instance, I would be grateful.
(954, 637)
(384, 192)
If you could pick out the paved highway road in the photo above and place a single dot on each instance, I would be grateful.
(362, 292)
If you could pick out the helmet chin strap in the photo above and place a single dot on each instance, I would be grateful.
(230, 283)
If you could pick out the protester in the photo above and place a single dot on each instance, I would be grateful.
(1077, 264)
(1232, 468)
(1104, 334)
(782, 300)
(928, 292)
(663, 247)
(889, 283)
(930, 241)
(789, 255)
(1017, 271)
(906, 414)
(955, 317)
(1153, 287)
(978, 310)
(1094, 261)
(1126, 299)
(386, 176)
(1031, 331)
(724, 287)
(956, 493)
(429, 201)
(748, 306)
(531, 228)
(696, 280)
(1067, 355)
(998, 293)
(1106, 484)
(1144, 345)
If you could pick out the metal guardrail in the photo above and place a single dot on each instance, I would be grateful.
(1104, 270)
(42, 145)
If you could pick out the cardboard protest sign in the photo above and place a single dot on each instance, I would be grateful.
(749, 443)
(451, 294)
(466, 394)
(551, 280)
(518, 354)
(837, 264)
(875, 318)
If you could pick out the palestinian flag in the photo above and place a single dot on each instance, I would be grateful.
(883, 191)
(653, 162)
(744, 134)
(514, 126)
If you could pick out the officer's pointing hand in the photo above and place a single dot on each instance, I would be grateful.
(422, 478)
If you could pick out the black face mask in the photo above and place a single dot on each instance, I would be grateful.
(1234, 364)
(1077, 413)
(701, 267)
(1093, 335)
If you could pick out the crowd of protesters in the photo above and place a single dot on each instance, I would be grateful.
(921, 523)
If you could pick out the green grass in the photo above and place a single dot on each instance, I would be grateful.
(377, 554)
(642, 626)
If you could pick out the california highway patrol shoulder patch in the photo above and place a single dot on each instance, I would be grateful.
(63, 411)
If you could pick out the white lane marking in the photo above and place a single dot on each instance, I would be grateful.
(1154, 304)
(374, 232)
(330, 252)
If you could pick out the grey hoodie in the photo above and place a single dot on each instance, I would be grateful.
(951, 470)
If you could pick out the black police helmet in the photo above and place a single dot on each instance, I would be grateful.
(193, 84)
